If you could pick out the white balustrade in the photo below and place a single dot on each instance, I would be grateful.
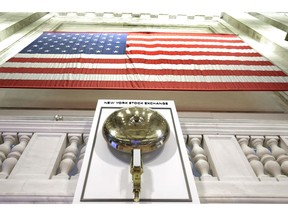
(9, 140)
(251, 156)
(279, 153)
(198, 156)
(14, 155)
(69, 156)
(268, 160)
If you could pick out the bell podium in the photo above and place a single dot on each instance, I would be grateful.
(125, 134)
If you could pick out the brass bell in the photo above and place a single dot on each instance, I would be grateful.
(136, 130)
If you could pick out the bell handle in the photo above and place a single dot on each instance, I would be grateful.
(136, 169)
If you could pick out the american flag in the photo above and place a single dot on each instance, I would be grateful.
(141, 60)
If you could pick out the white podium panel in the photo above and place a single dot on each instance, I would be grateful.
(105, 173)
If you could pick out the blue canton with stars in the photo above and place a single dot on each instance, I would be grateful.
(78, 43)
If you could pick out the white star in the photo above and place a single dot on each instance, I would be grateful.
(98, 51)
(115, 51)
(108, 48)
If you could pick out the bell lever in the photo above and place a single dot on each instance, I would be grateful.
(136, 169)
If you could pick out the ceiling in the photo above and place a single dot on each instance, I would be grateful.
(186, 7)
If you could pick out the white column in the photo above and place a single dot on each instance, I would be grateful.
(9, 140)
(14, 155)
(69, 156)
(227, 159)
(253, 159)
(41, 157)
(199, 158)
(268, 160)
(280, 154)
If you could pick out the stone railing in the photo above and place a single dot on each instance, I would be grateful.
(40, 167)
(230, 168)
(41, 160)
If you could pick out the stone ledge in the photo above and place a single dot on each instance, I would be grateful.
(14, 22)
(277, 20)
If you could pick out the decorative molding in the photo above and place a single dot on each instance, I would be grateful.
(267, 126)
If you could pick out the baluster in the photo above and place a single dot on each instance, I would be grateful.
(253, 159)
(69, 156)
(81, 155)
(270, 165)
(199, 157)
(9, 140)
(279, 153)
(14, 155)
